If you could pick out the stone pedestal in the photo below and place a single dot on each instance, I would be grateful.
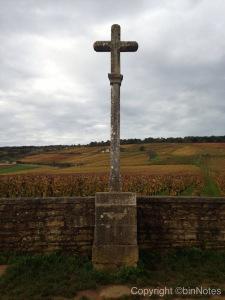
(115, 239)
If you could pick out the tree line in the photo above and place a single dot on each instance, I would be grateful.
(186, 139)
(12, 153)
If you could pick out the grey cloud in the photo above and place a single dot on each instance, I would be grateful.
(54, 88)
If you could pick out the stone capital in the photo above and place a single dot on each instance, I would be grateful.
(115, 78)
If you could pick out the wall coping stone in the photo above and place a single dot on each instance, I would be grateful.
(153, 199)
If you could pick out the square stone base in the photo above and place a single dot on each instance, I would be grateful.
(115, 239)
(111, 257)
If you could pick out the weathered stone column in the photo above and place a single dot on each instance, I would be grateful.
(115, 178)
(115, 239)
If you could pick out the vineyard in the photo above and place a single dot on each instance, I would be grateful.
(89, 184)
(185, 169)
(220, 180)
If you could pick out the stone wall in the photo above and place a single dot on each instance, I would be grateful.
(43, 225)
(49, 224)
(165, 222)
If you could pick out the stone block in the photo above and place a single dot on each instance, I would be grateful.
(114, 256)
(115, 237)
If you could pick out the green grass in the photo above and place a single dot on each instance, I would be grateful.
(210, 187)
(17, 167)
(188, 191)
(175, 160)
(44, 276)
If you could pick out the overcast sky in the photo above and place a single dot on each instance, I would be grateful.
(54, 87)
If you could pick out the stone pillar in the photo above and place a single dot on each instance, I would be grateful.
(115, 240)
(115, 178)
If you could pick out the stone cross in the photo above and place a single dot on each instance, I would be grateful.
(115, 46)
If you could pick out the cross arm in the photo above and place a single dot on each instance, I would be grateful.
(130, 46)
(101, 46)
